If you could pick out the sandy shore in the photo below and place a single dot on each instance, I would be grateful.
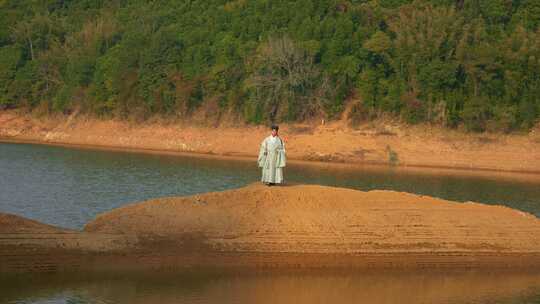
(280, 227)
(373, 144)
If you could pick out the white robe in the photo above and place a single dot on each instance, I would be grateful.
(272, 160)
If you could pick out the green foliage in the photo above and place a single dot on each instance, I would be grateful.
(393, 158)
(62, 99)
(475, 114)
(10, 57)
(25, 86)
(379, 43)
(494, 11)
(471, 63)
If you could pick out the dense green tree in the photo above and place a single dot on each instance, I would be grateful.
(452, 62)
(10, 56)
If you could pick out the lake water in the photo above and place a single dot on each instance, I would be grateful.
(68, 187)
(284, 288)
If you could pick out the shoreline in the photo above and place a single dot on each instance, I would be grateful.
(253, 262)
(376, 146)
(521, 176)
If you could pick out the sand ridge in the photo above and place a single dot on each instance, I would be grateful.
(11, 223)
(280, 227)
(318, 219)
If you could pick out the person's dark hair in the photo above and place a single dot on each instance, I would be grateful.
(274, 127)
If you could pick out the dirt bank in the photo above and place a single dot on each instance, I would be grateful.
(376, 143)
(30, 246)
(291, 226)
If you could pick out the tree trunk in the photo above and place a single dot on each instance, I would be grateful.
(31, 49)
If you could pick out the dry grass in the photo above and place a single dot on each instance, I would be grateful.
(301, 129)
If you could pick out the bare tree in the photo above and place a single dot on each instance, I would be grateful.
(284, 73)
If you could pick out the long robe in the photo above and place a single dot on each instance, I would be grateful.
(272, 160)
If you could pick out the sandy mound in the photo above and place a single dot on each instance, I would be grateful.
(280, 227)
(317, 219)
(10, 223)
(28, 245)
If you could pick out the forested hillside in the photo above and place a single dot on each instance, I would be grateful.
(471, 63)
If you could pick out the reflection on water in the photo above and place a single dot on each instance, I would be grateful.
(382, 287)
(68, 187)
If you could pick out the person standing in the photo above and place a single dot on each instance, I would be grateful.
(272, 158)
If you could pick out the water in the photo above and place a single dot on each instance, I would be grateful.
(69, 187)
(284, 288)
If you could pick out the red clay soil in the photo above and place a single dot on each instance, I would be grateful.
(15, 224)
(281, 227)
(318, 219)
(372, 143)
(30, 246)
